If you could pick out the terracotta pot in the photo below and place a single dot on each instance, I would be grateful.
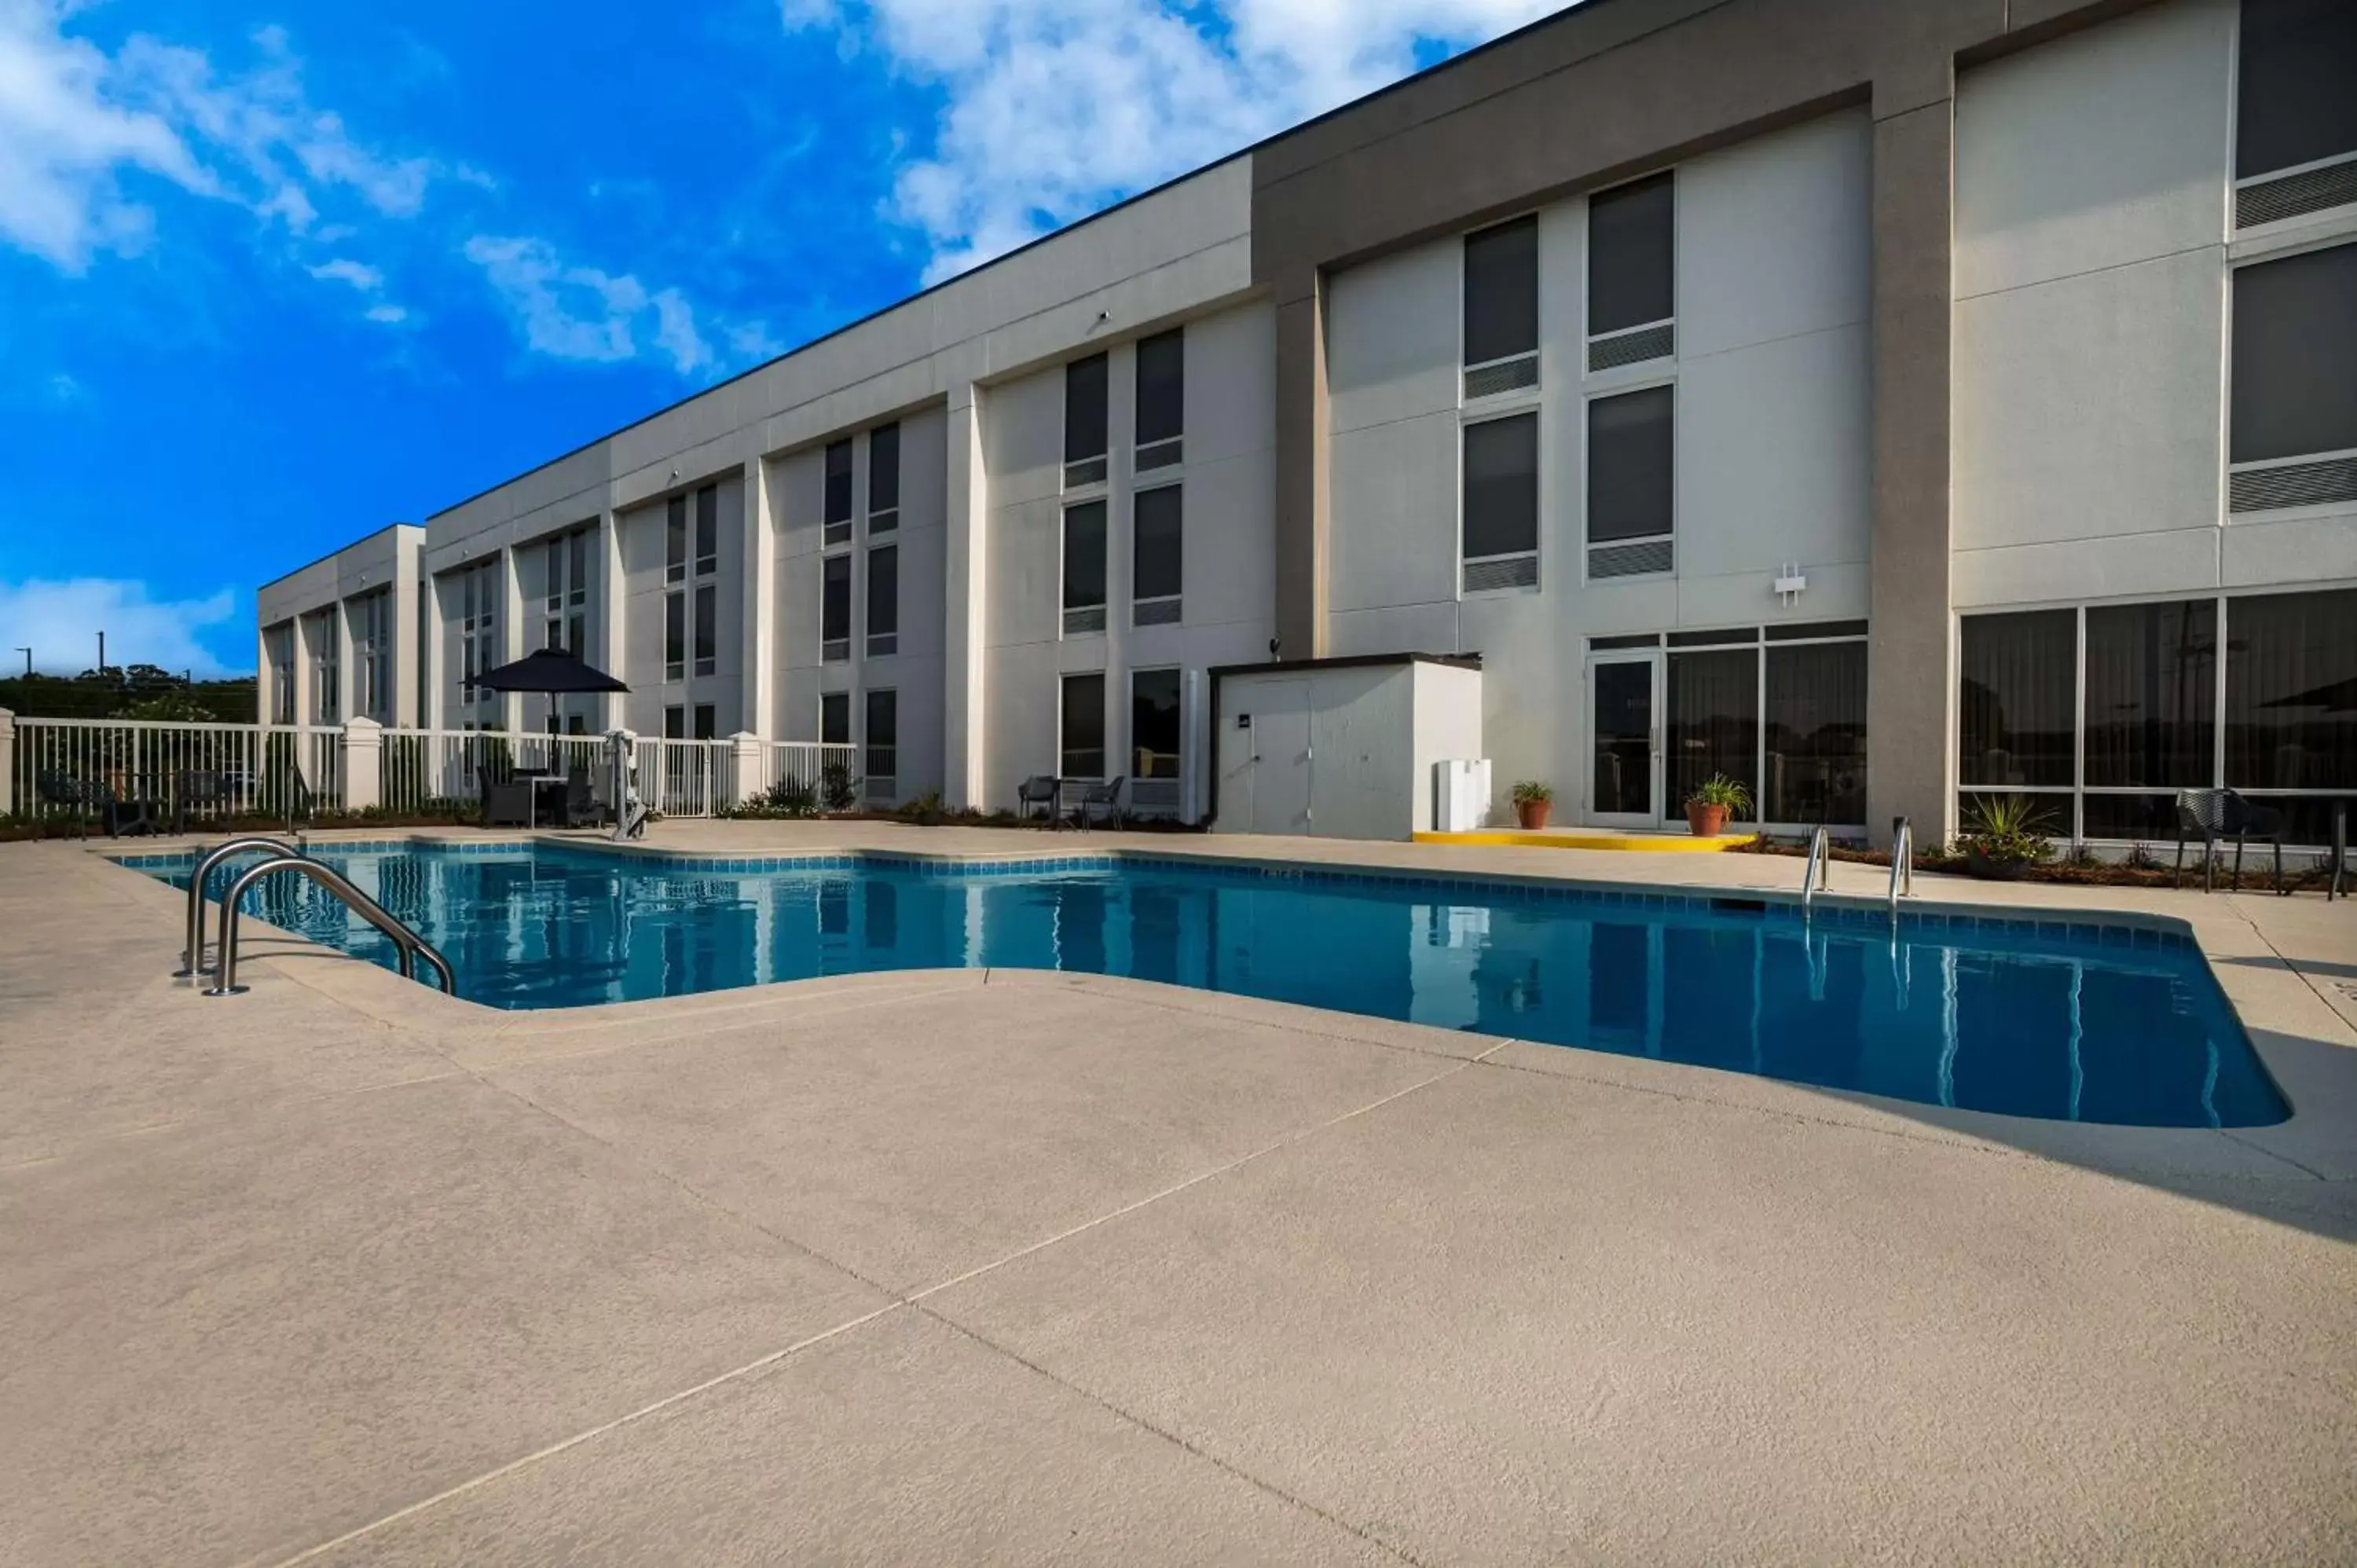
(1705, 820)
(1532, 814)
(1990, 868)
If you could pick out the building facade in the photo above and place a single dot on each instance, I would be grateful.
(1888, 403)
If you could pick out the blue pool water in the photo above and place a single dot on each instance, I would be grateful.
(2083, 1023)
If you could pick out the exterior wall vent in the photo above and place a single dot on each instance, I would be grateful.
(835, 650)
(1647, 558)
(1154, 612)
(1091, 617)
(1087, 471)
(1154, 797)
(2294, 195)
(1160, 455)
(2319, 483)
(1634, 347)
(1501, 376)
(880, 643)
(1502, 571)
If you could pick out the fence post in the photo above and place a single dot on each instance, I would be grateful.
(744, 783)
(7, 762)
(363, 764)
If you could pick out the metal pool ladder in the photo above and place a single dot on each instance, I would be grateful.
(192, 956)
(406, 942)
(1903, 862)
(1818, 872)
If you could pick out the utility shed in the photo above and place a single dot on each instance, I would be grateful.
(1340, 748)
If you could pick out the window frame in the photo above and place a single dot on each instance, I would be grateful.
(704, 628)
(675, 634)
(1590, 336)
(675, 538)
(1155, 453)
(884, 519)
(882, 641)
(1063, 718)
(1175, 600)
(1465, 426)
(836, 649)
(1086, 618)
(707, 530)
(1589, 397)
(1466, 363)
(2313, 241)
(1087, 470)
(871, 752)
(835, 531)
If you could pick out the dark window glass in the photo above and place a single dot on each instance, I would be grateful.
(834, 719)
(884, 468)
(1084, 408)
(1502, 487)
(1154, 723)
(1084, 555)
(2131, 817)
(1713, 725)
(707, 721)
(838, 482)
(1631, 255)
(1623, 780)
(674, 634)
(2296, 354)
(883, 735)
(834, 599)
(2016, 699)
(1084, 728)
(1730, 636)
(884, 590)
(707, 628)
(1501, 291)
(1162, 387)
(1817, 734)
(578, 581)
(2152, 695)
(675, 723)
(675, 538)
(2298, 101)
(2291, 692)
(1631, 484)
(708, 528)
(1155, 560)
(1799, 631)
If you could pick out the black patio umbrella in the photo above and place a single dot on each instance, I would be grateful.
(553, 670)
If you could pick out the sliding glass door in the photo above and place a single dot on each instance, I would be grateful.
(1624, 705)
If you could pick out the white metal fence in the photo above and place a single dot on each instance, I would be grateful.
(428, 769)
(163, 772)
(804, 775)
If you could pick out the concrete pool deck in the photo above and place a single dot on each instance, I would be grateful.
(966, 1266)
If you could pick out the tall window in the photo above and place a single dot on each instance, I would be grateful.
(675, 722)
(675, 635)
(1714, 716)
(707, 531)
(1084, 567)
(326, 670)
(1632, 483)
(1161, 400)
(884, 478)
(675, 539)
(707, 627)
(708, 721)
(1501, 309)
(835, 518)
(883, 763)
(2293, 419)
(1082, 752)
(883, 600)
(834, 719)
(1815, 723)
(566, 592)
(371, 622)
(1084, 421)
(478, 591)
(2296, 114)
(1156, 557)
(835, 608)
(1154, 728)
(282, 675)
(1632, 274)
(1502, 503)
(2149, 677)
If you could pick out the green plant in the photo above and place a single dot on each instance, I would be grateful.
(2081, 856)
(1533, 792)
(839, 787)
(175, 706)
(926, 808)
(1718, 789)
(2006, 827)
(2141, 858)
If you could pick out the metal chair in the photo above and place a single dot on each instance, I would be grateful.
(2213, 814)
(77, 796)
(1039, 790)
(2245, 821)
(197, 790)
(1104, 797)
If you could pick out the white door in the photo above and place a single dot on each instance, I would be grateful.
(1624, 726)
(1280, 757)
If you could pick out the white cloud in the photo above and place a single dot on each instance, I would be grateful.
(387, 314)
(1056, 107)
(359, 274)
(580, 313)
(59, 621)
(74, 121)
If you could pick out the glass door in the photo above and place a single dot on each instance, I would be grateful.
(1624, 707)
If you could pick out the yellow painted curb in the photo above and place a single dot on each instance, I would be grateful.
(1656, 843)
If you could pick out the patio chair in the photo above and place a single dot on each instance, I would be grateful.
(580, 801)
(1039, 790)
(76, 797)
(507, 805)
(1102, 797)
(2212, 814)
(197, 790)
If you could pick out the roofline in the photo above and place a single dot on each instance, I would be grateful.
(338, 550)
(1219, 672)
(1076, 224)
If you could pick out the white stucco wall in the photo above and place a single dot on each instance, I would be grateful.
(386, 559)
(1771, 460)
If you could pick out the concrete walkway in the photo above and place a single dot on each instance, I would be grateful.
(1005, 1267)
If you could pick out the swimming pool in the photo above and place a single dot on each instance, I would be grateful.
(2082, 1023)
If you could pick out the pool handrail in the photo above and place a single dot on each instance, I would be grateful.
(192, 956)
(1903, 862)
(1818, 871)
(406, 942)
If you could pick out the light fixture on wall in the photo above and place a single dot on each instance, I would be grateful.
(1791, 582)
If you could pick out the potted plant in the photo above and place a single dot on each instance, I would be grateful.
(2004, 837)
(1533, 801)
(1715, 800)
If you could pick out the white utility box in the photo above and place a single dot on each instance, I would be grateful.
(1460, 794)
(1341, 748)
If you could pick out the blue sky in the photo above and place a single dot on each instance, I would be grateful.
(276, 273)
